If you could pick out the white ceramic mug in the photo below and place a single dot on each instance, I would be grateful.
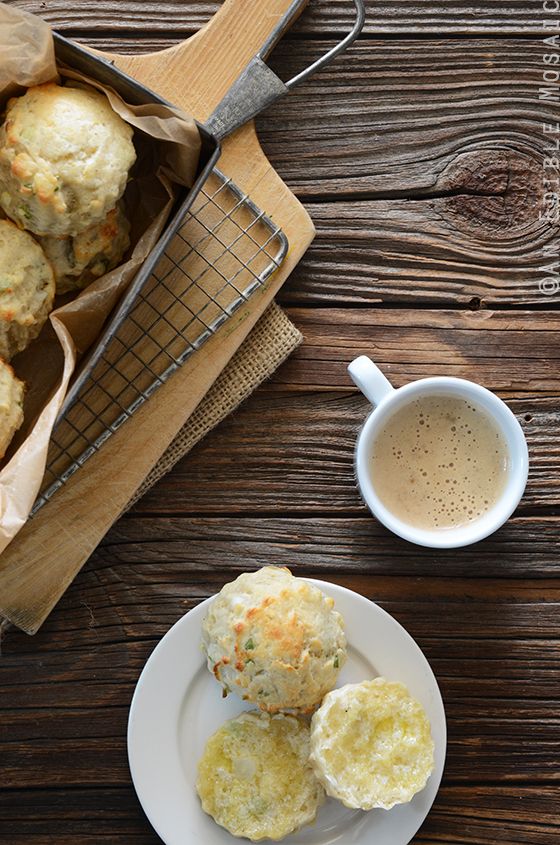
(386, 401)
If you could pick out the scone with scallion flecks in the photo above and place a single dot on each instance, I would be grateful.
(26, 289)
(79, 260)
(371, 745)
(11, 405)
(65, 157)
(275, 640)
(254, 777)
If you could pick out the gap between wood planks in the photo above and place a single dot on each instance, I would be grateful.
(326, 17)
(155, 40)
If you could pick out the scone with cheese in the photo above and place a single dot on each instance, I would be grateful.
(371, 745)
(26, 289)
(254, 778)
(77, 261)
(64, 159)
(275, 640)
(11, 405)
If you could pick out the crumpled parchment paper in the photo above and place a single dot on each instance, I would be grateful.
(168, 147)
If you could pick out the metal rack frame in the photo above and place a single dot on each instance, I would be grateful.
(223, 253)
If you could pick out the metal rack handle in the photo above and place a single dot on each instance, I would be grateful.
(258, 86)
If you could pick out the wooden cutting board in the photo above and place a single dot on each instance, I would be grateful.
(46, 555)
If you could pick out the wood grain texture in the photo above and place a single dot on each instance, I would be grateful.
(291, 446)
(70, 714)
(439, 168)
(512, 352)
(499, 688)
(394, 119)
(306, 468)
(409, 252)
(526, 548)
(325, 16)
(113, 813)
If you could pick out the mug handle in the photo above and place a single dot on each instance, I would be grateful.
(370, 380)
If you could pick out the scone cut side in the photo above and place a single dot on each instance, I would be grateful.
(371, 745)
(275, 640)
(254, 777)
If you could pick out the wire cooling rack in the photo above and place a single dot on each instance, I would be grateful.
(225, 251)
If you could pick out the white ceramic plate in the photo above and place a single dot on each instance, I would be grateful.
(177, 706)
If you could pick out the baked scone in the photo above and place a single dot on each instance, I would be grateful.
(254, 778)
(26, 289)
(11, 405)
(371, 745)
(79, 260)
(64, 159)
(275, 640)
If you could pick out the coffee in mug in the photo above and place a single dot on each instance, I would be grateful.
(439, 462)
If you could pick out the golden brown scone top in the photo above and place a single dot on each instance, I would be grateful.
(65, 156)
(275, 640)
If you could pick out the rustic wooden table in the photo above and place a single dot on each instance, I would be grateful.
(420, 156)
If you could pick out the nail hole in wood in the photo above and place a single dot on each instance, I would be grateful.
(475, 303)
(528, 417)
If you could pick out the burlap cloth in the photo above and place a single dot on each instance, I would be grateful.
(273, 338)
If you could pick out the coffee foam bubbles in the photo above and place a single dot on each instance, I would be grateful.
(439, 462)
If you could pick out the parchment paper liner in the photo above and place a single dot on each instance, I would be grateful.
(168, 146)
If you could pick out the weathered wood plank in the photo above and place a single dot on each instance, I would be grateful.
(514, 353)
(407, 252)
(303, 467)
(325, 16)
(103, 760)
(111, 606)
(113, 812)
(501, 713)
(527, 547)
(90, 816)
(519, 694)
(309, 470)
(447, 155)
(390, 116)
(447, 147)
(449, 830)
(446, 151)
(295, 452)
(499, 686)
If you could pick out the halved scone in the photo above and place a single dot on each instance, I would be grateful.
(254, 777)
(371, 745)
